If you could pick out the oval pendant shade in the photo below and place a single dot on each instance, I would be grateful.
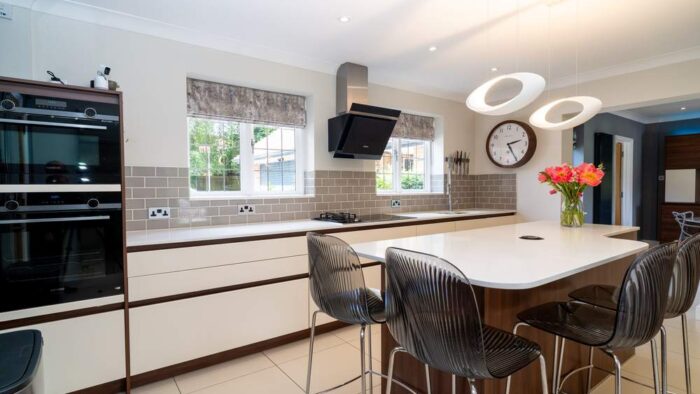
(532, 86)
(591, 106)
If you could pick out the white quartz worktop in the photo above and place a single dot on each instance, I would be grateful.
(178, 235)
(495, 257)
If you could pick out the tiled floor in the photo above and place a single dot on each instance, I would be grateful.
(283, 370)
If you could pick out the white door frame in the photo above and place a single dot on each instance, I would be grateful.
(627, 210)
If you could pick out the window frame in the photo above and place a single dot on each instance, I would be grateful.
(397, 165)
(247, 174)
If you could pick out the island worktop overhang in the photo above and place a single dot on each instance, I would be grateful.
(496, 257)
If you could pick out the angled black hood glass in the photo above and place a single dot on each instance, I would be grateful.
(361, 133)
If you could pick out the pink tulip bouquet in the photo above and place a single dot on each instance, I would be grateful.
(571, 182)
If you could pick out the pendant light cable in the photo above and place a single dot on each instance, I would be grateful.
(578, 42)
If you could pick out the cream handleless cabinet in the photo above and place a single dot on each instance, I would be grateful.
(173, 332)
(192, 302)
(82, 352)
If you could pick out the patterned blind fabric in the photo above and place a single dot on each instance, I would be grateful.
(415, 127)
(222, 101)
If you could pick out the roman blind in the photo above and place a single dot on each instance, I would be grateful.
(230, 102)
(415, 127)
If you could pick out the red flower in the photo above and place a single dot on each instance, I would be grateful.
(590, 175)
(560, 174)
(542, 177)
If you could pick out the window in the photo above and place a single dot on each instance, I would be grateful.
(244, 141)
(237, 158)
(404, 166)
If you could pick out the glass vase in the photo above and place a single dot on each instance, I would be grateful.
(571, 212)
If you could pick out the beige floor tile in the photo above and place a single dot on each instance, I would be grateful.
(267, 381)
(693, 324)
(352, 336)
(219, 373)
(640, 365)
(331, 367)
(608, 387)
(298, 349)
(167, 386)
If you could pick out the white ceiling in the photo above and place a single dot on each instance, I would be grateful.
(666, 112)
(392, 37)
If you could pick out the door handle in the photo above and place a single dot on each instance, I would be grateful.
(55, 124)
(55, 220)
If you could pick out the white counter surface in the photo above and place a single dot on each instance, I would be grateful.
(177, 235)
(495, 257)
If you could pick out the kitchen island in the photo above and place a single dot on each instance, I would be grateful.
(511, 274)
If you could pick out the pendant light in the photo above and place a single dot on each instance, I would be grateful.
(532, 86)
(591, 105)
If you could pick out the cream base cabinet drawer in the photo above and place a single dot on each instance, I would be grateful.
(82, 352)
(373, 279)
(488, 222)
(435, 228)
(180, 259)
(160, 285)
(178, 331)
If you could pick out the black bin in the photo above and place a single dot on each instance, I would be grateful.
(20, 362)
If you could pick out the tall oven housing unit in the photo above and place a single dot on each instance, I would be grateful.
(61, 196)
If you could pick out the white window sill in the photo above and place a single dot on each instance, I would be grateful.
(200, 196)
(392, 193)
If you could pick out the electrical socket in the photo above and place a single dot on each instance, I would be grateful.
(396, 203)
(246, 209)
(6, 11)
(158, 213)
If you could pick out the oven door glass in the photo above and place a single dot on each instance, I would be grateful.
(45, 150)
(48, 259)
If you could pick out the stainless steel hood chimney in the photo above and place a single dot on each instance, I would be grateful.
(360, 131)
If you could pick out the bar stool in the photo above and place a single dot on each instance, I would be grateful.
(637, 319)
(684, 287)
(688, 224)
(337, 286)
(433, 314)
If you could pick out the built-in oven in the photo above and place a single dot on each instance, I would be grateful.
(59, 247)
(47, 138)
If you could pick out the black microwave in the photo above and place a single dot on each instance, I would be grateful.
(47, 140)
(59, 247)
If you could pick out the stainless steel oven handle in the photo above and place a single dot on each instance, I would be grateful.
(56, 124)
(55, 220)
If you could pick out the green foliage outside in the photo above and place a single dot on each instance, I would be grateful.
(408, 182)
(382, 184)
(411, 182)
(215, 149)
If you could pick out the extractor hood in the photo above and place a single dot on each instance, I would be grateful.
(360, 131)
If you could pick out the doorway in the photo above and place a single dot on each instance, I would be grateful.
(613, 198)
(622, 172)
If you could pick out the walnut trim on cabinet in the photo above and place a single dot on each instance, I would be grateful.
(187, 244)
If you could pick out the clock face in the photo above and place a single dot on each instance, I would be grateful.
(511, 144)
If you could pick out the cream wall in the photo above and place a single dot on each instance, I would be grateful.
(152, 73)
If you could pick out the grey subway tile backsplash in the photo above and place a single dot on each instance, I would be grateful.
(328, 191)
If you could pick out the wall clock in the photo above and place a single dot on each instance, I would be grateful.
(511, 144)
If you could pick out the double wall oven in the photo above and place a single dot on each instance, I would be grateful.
(61, 225)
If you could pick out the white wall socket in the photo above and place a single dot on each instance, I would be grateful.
(396, 203)
(5, 11)
(246, 209)
(159, 213)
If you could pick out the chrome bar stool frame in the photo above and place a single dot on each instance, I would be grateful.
(337, 286)
(687, 222)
